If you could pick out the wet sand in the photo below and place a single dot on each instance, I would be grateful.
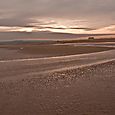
(60, 85)
(39, 51)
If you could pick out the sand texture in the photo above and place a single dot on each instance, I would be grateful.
(79, 84)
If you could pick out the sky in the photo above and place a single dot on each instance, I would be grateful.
(63, 16)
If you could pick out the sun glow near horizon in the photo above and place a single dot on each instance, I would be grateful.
(60, 26)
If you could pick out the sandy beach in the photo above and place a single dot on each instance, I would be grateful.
(89, 90)
(57, 57)
(20, 51)
(65, 80)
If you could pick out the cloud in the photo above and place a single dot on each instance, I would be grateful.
(72, 28)
(38, 13)
(107, 29)
(83, 28)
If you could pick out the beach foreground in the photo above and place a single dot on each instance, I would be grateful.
(61, 85)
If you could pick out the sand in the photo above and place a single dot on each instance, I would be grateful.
(79, 84)
(83, 91)
(36, 51)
